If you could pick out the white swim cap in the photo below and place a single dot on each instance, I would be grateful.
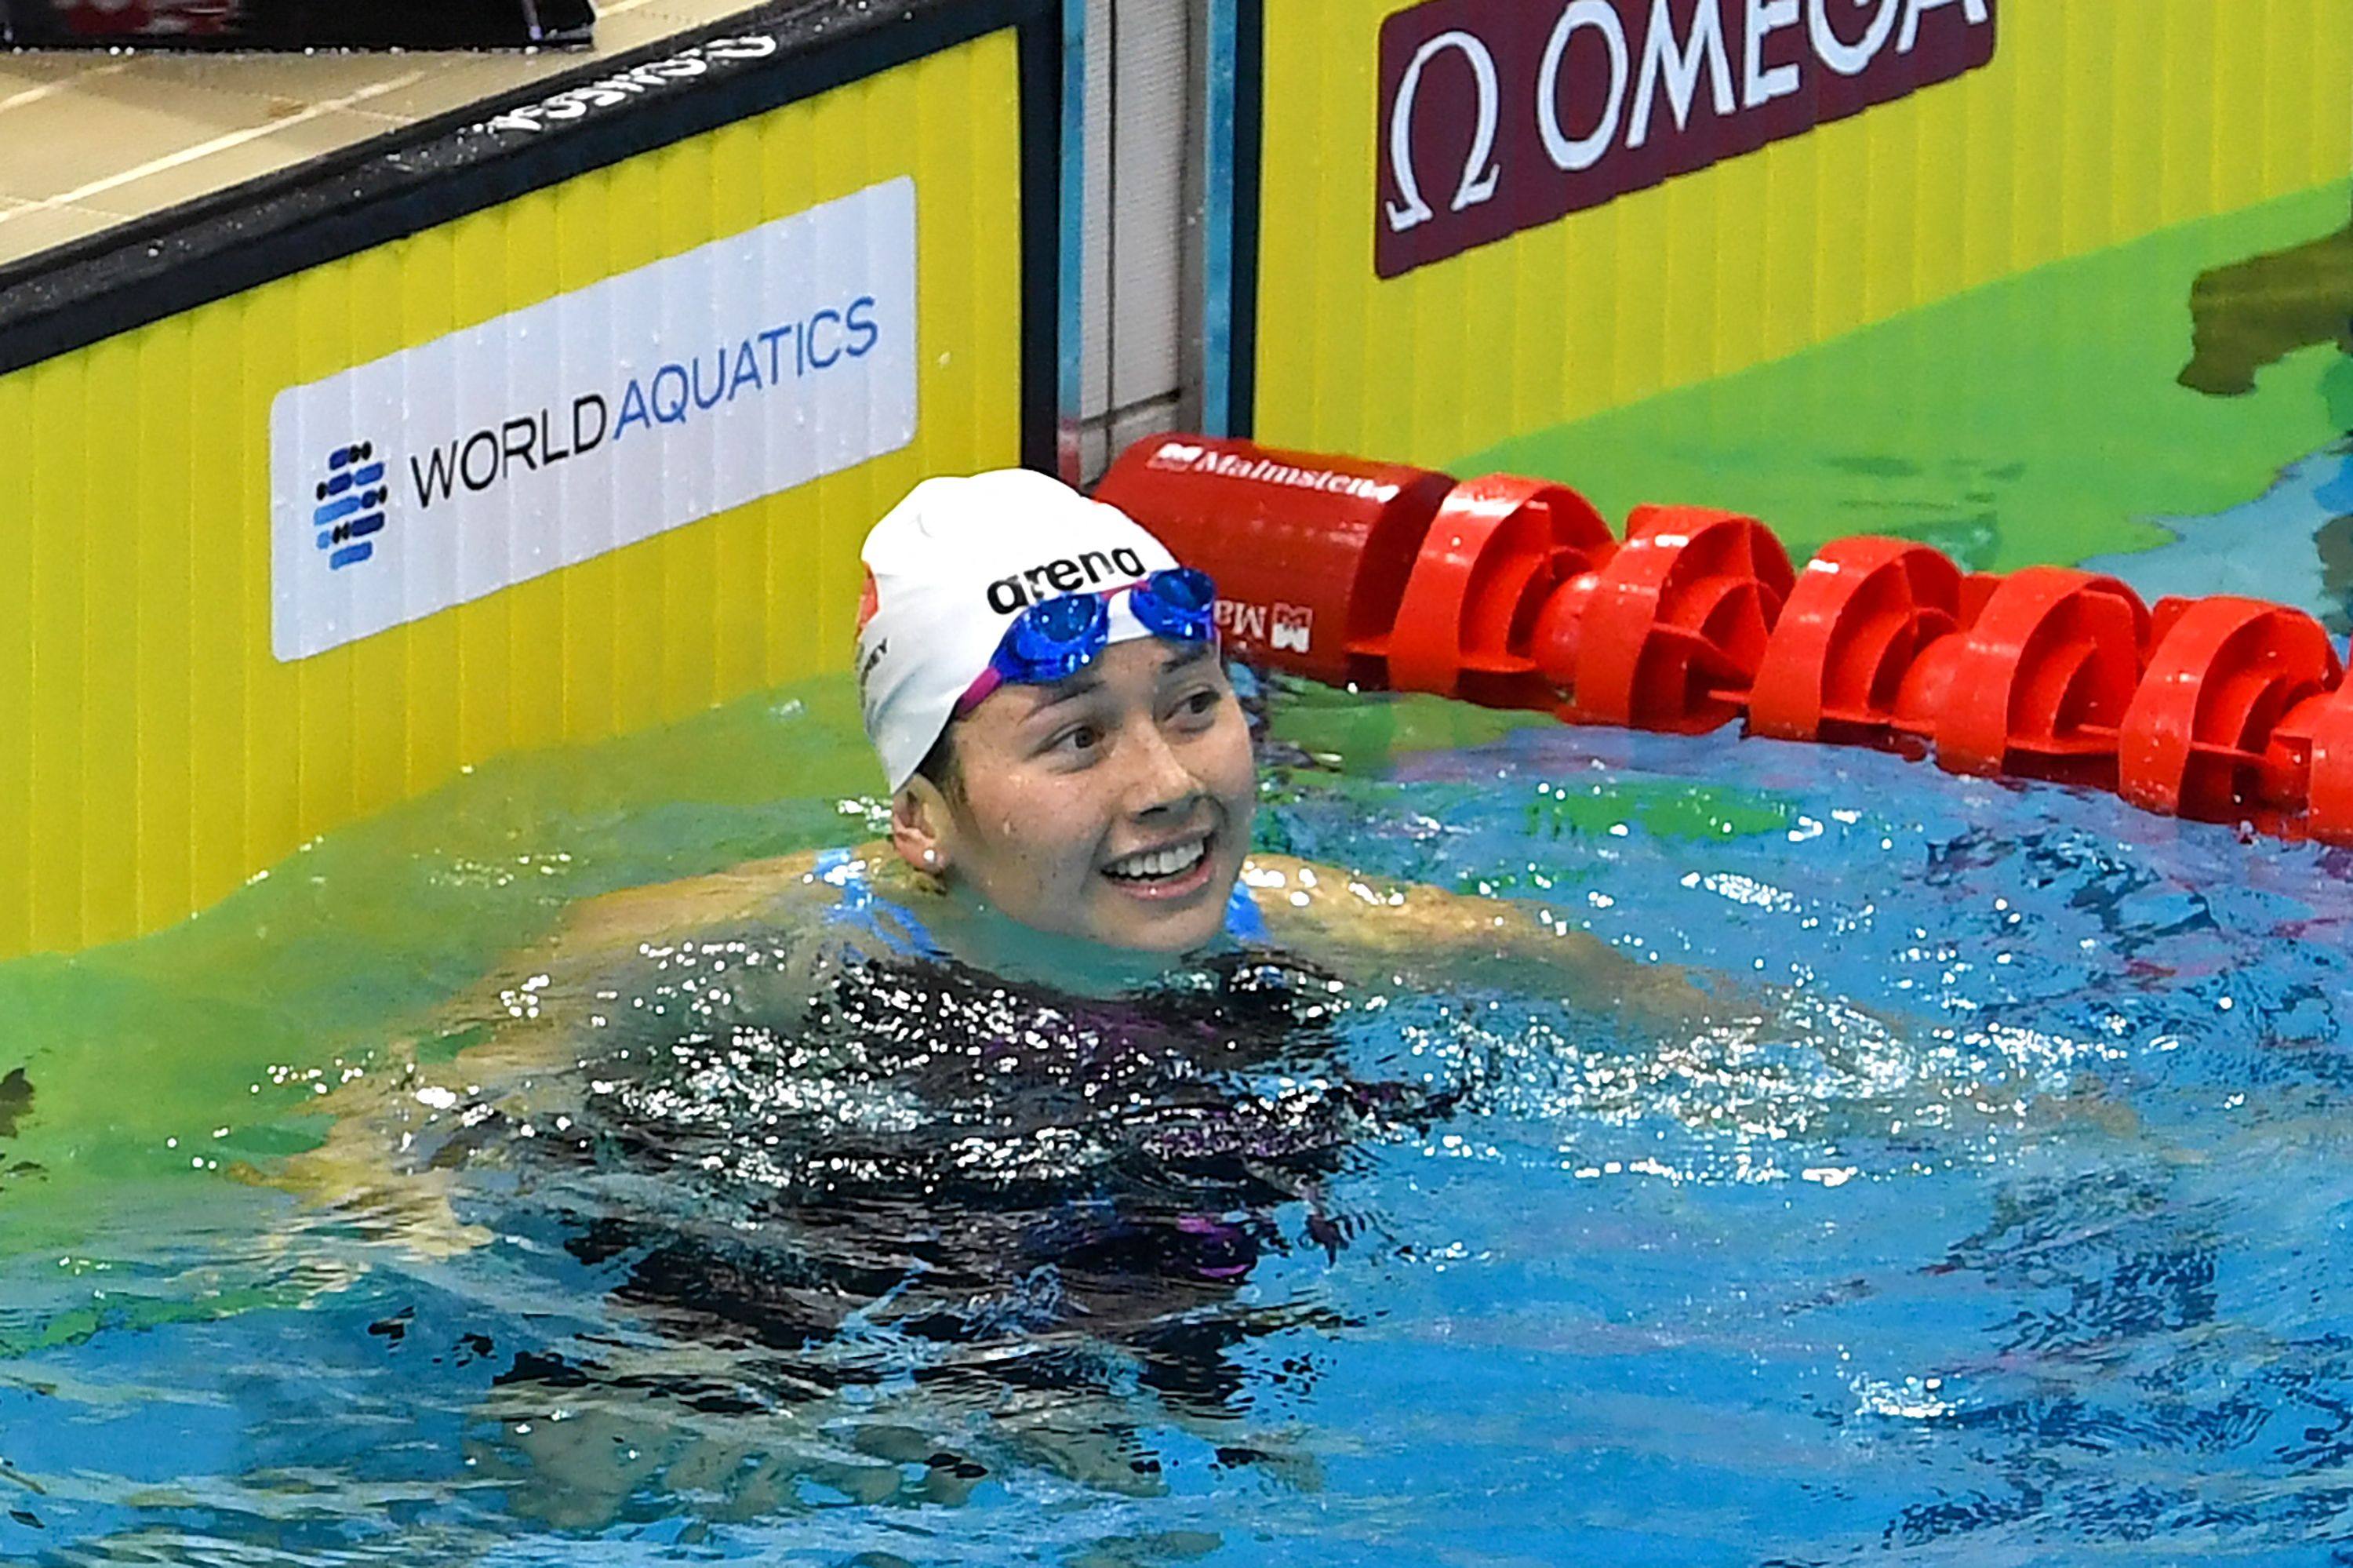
(947, 570)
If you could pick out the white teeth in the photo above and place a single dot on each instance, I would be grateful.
(1159, 862)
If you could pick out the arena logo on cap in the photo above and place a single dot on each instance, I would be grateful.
(1497, 116)
(1089, 568)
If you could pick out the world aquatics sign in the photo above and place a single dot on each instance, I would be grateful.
(551, 434)
(1502, 115)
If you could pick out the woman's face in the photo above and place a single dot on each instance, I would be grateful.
(1114, 806)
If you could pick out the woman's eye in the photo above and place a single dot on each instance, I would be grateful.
(1079, 739)
(1204, 701)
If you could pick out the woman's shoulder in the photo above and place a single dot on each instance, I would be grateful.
(759, 892)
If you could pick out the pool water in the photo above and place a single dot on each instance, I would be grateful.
(2014, 1231)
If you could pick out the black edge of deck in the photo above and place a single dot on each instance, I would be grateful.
(409, 180)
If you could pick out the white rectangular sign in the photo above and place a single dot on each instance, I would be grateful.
(549, 435)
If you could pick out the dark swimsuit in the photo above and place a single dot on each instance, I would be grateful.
(1225, 1250)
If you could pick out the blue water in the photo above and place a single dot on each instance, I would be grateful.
(2267, 548)
(2011, 1228)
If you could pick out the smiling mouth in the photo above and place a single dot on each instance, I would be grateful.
(1160, 867)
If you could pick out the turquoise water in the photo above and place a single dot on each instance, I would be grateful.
(2258, 548)
(2014, 1231)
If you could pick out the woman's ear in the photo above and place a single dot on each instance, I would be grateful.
(921, 826)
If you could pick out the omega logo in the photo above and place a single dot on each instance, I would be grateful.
(1475, 186)
(1525, 110)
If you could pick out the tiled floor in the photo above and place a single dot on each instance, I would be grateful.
(91, 139)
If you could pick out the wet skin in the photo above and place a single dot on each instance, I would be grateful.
(1058, 789)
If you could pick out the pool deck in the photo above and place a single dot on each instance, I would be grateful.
(91, 139)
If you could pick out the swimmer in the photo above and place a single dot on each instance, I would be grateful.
(1073, 786)
(1056, 1058)
(1071, 791)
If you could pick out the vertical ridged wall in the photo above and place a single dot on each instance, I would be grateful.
(2096, 123)
(153, 754)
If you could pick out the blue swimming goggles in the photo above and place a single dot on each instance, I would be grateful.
(1056, 637)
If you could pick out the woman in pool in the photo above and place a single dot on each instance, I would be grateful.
(1049, 1070)
(1071, 780)
(1071, 793)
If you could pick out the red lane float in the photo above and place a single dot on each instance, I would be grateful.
(1862, 612)
(2036, 682)
(2310, 761)
(1311, 553)
(1511, 592)
(1496, 550)
(1669, 634)
(2197, 740)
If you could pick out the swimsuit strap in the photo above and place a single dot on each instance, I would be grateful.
(862, 908)
(1244, 921)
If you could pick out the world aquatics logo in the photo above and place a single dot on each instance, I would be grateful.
(351, 504)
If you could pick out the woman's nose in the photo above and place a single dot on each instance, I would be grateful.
(1160, 781)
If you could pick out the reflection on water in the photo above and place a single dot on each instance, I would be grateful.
(2016, 1232)
(2255, 313)
(754, 1226)
(885, 1173)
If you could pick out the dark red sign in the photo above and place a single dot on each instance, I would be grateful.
(1500, 115)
